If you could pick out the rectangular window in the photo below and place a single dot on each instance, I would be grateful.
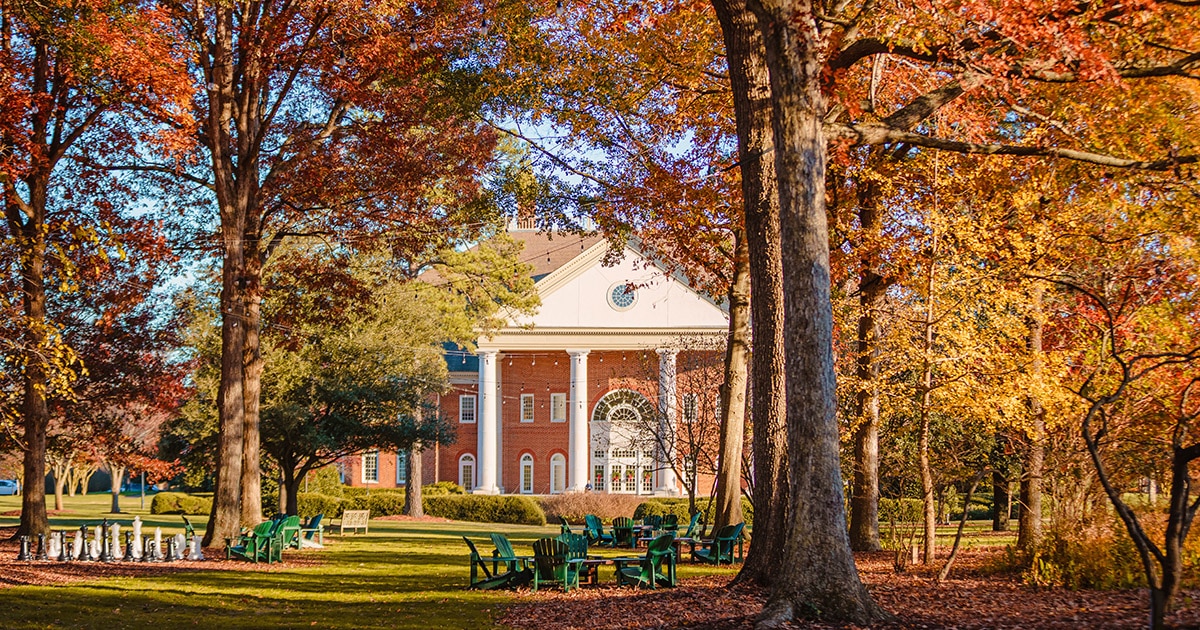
(466, 409)
(401, 468)
(598, 479)
(558, 407)
(690, 408)
(526, 407)
(370, 467)
(647, 479)
(527, 475)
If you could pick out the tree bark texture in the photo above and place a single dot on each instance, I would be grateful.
(34, 410)
(1029, 526)
(413, 505)
(252, 392)
(750, 84)
(864, 494)
(818, 577)
(928, 499)
(733, 391)
(118, 478)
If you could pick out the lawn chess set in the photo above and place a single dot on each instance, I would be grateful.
(103, 543)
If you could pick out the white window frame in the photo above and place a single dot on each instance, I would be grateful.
(401, 464)
(557, 402)
(469, 460)
(527, 474)
(527, 405)
(467, 410)
(372, 456)
(558, 482)
(690, 406)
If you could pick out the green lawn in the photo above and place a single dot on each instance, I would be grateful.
(401, 575)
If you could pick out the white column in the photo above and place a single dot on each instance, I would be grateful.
(668, 431)
(488, 424)
(580, 441)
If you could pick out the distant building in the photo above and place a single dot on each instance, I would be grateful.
(551, 403)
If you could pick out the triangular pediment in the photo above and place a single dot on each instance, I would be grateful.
(585, 293)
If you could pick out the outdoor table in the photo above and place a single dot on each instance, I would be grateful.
(595, 563)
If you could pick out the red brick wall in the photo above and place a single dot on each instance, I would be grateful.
(539, 374)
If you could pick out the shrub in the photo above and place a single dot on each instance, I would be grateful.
(325, 481)
(486, 509)
(1097, 557)
(180, 503)
(309, 504)
(679, 507)
(574, 506)
(442, 488)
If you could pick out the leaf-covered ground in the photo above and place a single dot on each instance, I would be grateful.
(970, 599)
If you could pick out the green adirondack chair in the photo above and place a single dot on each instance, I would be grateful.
(564, 527)
(670, 523)
(654, 521)
(691, 529)
(503, 553)
(491, 579)
(720, 548)
(313, 526)
(254, 545)
(649, 570)
(594, 530)
(289, 535)
(577, 549)
(623, 532)
(552, 564)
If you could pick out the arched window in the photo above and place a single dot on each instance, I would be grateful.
(623, 443)
(466, 471)
(558, 473)
(527, 474)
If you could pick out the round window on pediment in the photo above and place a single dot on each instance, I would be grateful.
(622, 296)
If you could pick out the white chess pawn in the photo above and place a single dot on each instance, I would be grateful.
(53, 549)
(137, 537)
(114, 533)
(196, 553)
(94, 546)
(77, 546)
(179, 543)
(158, 554)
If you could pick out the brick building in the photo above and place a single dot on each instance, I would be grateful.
(584, 395)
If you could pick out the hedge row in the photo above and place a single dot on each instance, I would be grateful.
(679, 507)
(465, 507)
(180, 503)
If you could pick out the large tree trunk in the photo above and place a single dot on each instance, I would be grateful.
(289, 491)
(1029, 526)
(733, 390)
(750, 83)
(413, 504)
(118, 477)
(817, 571)
(34, 411)
(251, 392)
(864, 494)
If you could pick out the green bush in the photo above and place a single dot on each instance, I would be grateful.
(325, 481)
(679, 507)
(574, 506)
(901, 510)
(442, 488)
(1102, 558)
(309, 504)
(486, 509)
(180, 503)
(380, 502)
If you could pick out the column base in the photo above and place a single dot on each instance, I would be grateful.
(576, 490)
(482, 490)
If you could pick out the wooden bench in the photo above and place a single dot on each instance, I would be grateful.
(354, 520)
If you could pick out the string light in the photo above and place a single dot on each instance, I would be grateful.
(559, 9)
(412, 42)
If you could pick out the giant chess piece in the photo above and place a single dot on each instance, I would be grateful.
(55, 550)
(23, 553)
(114, 532)
(81, 544)
(137, 537)
(130, 546)
(158, 554)
(169, 556)
(97, 542)
(180, 545)
(63, 554)
(105, 543)
(147, 549)
(197, 553)
(41, 548)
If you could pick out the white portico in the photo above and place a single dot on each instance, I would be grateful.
(566, 424)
